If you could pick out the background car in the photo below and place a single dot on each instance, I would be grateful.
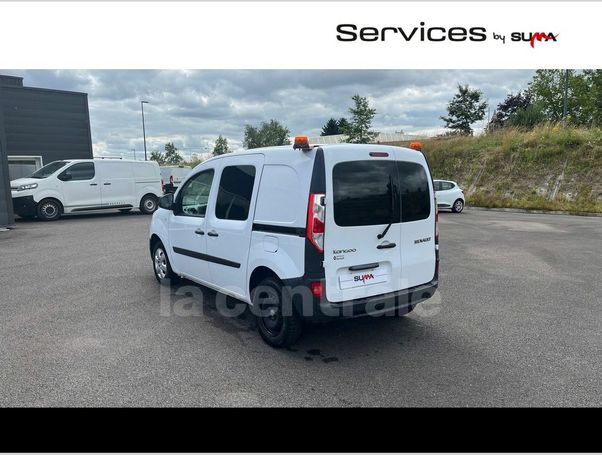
(449, 195)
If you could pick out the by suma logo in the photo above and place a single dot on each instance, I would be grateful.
(363, 278)
(533, 36)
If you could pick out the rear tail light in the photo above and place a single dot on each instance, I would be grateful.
(171, 179)
(315, 221)
(162, 185)
(317, 290)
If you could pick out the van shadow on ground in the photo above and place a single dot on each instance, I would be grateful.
(320, 342)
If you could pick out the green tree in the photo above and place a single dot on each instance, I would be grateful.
(221, 146)
(507, 108)
(266, 135)
(548, 88)
(331, 128)
(157, 156)
(358, 128)
(593, 103)
(464, 109)
(526, 117)
(343, 123)
(172, 157)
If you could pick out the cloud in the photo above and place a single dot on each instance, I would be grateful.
(191, 108)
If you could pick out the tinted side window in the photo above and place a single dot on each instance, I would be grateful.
(235, 192)
(437, 186)
(447, 185)
(194, 196)
(80, 171)
(414, 190)
(364, 193)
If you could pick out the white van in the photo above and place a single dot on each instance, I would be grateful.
(72, 186)
(172, 176)
(301, 232)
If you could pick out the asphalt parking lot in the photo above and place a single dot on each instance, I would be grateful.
(517, 322)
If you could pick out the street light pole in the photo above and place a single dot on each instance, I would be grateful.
(566, 95)
(142, 103)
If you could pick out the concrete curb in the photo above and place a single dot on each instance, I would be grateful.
(539, 212)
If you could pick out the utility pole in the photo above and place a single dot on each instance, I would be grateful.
(566, 95)
(142, 103)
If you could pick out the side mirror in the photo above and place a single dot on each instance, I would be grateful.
(166, 201)
(66, 176)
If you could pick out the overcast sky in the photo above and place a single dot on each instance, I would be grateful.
(191, 108)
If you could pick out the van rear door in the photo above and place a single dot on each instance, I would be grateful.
(417, 239)
(361, 203)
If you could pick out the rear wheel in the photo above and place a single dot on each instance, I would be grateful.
(161, 266)
(148, 204)
(276, 325)
(458, 206)
(49, 210)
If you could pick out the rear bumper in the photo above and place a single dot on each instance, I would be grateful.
(25, 206)
(395, 303)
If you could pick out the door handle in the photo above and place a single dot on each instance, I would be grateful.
(212, 233)
(386, 245)
(199, 232)
(93, 184)
(356, 268)
(107, 183)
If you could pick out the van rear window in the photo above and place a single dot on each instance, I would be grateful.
(414, 190)
(370, 192)
(363, 193)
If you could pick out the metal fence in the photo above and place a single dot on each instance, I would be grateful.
(382, 137)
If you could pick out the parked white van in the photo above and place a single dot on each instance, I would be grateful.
(301, 232)
(71, 186)
(172, 176)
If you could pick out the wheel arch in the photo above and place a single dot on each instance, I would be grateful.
(259, 273)
(154, 239)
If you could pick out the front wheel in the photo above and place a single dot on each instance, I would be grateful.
(49, 210)
(278, 326)
(458, 206)
(161, 266)
(148, 204)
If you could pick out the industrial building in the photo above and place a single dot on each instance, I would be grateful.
(38, 126)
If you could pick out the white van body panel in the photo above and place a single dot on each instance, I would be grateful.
(47, 189)
(283, 254)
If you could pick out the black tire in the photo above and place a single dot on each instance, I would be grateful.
(49, 210)
(458, 206)
(125, 210)
(149, 204)
(162, 267)
(277, 329)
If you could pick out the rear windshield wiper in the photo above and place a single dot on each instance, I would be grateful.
(383, 233)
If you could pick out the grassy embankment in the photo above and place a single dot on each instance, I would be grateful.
(548, 168)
